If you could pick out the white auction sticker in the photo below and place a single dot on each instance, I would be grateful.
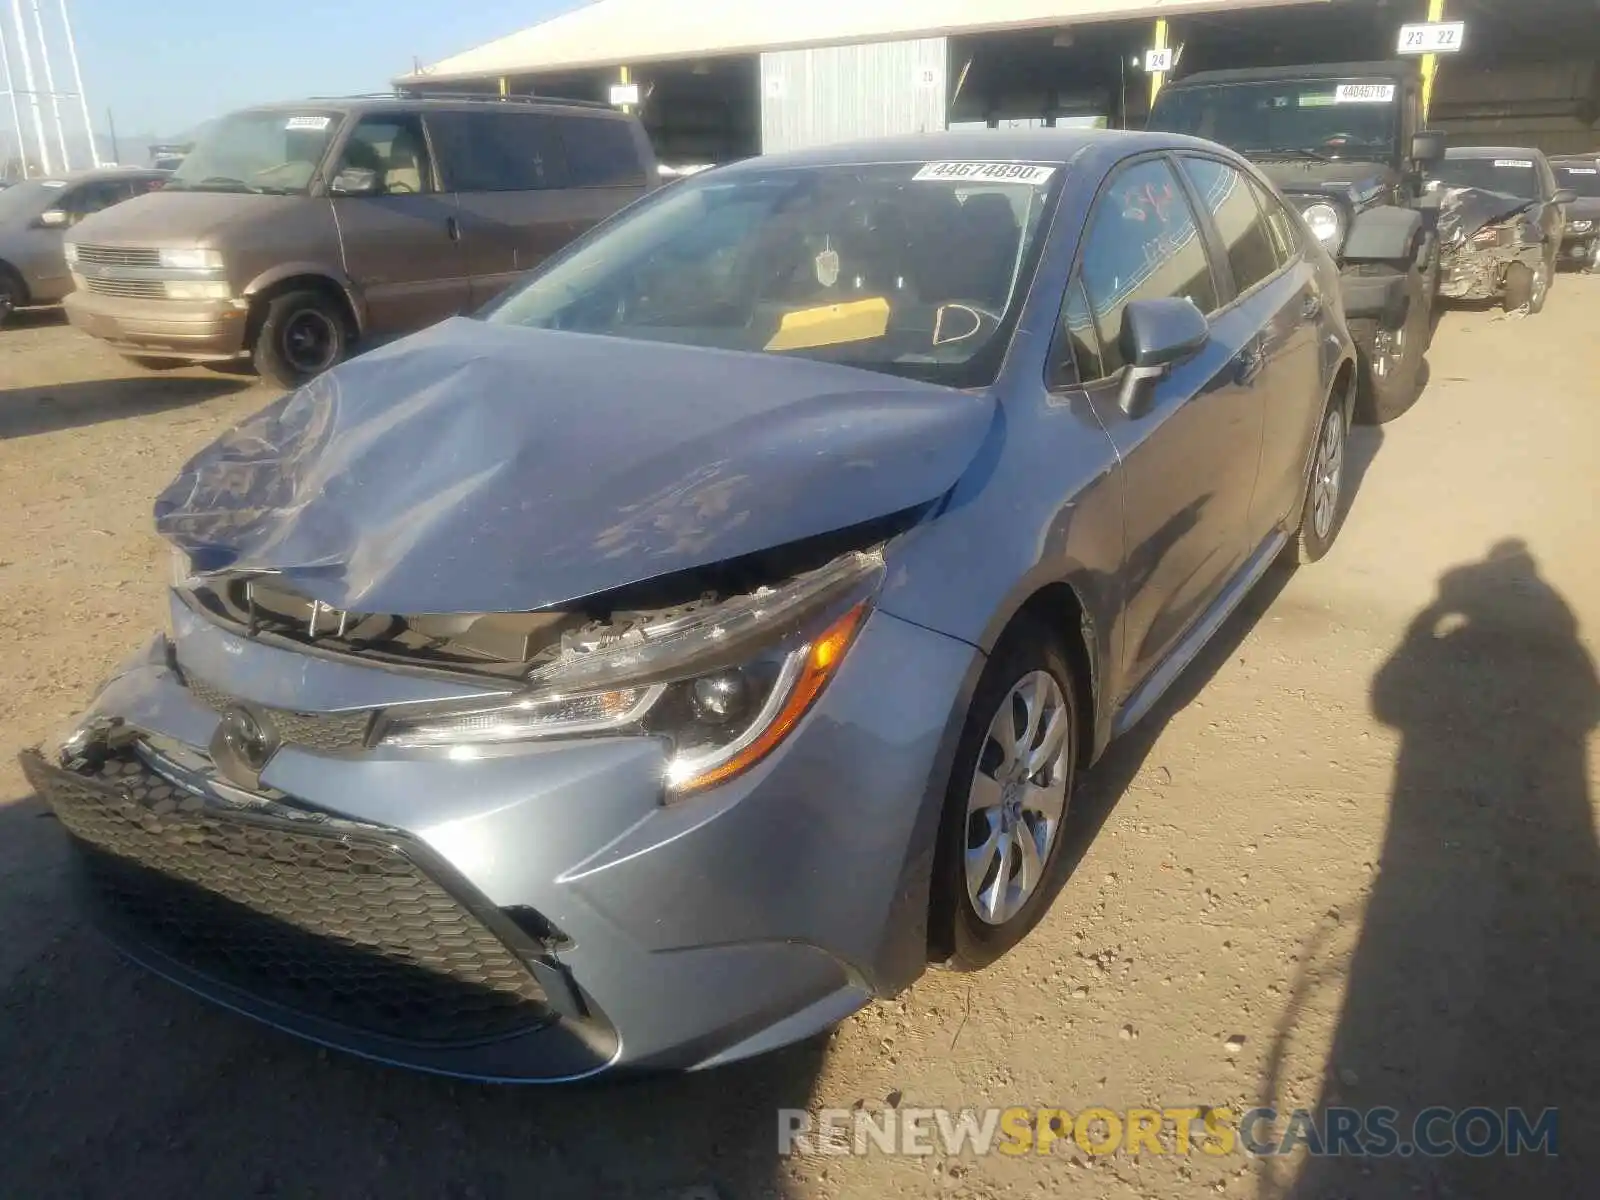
(1523, 164)
(985, 172)
(318, 123)
(1363, 93)
(1580, 171)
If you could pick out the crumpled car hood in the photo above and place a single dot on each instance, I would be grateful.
(1464, 211)
(480, 468)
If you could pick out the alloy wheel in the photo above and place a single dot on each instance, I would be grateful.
(1327, 478)
(310, 341)
(1018, 797)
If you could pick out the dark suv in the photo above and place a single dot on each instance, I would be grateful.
(1344, 142)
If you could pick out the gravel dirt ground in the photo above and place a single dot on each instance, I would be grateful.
(1352, 860)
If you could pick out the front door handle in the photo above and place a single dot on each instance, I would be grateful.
(1311, 307)
(453, 227)
(1249, 362)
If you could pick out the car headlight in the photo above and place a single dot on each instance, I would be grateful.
(724, 685)
(70, 249)
(196, 289)
(1325, 222)
(191, 260)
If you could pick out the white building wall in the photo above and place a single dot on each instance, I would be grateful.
(841, 93)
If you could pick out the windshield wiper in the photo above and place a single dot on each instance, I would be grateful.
(214, 183)
(1293, 152)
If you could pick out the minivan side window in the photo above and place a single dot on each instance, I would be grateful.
(601, 152)
(1239, 221)
(499, 151)
(1142, 243)
(392, 147)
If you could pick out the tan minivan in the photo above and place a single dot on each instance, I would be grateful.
(292, 232)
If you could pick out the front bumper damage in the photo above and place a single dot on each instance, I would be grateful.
(1479, 273)
(526, 913)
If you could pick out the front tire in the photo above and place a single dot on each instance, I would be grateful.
(13, 295)
(1391, 358)
(1527, 287)
(1323, 509)
(999, 861)
(302, 334)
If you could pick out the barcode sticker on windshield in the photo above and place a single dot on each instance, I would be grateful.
(1524, 164)
(318, 123)
(1363, 93)
(985, 172)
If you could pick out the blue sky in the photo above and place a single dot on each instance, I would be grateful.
(164, 66)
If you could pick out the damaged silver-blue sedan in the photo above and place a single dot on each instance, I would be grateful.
(655, 668)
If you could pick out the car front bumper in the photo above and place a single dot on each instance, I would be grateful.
(520, 913)
(202, 331)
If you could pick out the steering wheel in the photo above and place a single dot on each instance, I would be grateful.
(960, 321)
(400, 189)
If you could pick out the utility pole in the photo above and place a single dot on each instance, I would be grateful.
(83, 99)
(32, 89)
(16, 113)
(50, 86)
(116, 151)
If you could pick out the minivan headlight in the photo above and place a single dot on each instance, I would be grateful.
(724, 685)
(1325, 222)
(191, 260)
(70, 249)
(196, 289)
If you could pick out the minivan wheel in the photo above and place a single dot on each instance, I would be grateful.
(999, 861)
(11, 294)
(302, 334)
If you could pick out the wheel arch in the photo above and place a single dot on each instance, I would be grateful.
(297, 276)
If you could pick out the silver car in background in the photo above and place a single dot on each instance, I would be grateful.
(33, 216)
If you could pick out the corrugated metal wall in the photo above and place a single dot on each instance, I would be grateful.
(839, 93)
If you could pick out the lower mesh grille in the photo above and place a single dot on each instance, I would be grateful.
(334, 921)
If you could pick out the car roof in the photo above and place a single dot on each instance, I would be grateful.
(1494, 152)
(1392, 69)
(386, 102)
(992, 145)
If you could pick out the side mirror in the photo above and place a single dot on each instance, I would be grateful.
(1564, 196)
(355, 181)
(1428, 147)
(1156, 336)
(54, 218)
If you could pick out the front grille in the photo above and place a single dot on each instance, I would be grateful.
(128, 289)
(323, 917)
(119, 256)
(324, 733)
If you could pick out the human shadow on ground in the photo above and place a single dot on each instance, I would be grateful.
(51, 407)
(1476, 978)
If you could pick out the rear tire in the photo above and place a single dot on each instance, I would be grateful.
(1323, 510)
(302, 334)
(1002, 825)
(1391, 359)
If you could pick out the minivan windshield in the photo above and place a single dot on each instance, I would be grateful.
(1318, 118)
(912, 269)
(276, 151)
(1509, 176)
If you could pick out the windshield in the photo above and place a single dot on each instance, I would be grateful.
(1320, 118)
(910, 269)
(1508, 176)
(24, 201)
(1585, 179)
(275, 152)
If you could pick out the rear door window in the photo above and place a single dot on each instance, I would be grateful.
(1238, 220)
(600, 152)
(499, 150)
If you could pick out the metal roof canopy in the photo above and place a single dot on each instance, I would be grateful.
(614, 32)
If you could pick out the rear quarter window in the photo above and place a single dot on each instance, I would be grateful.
(601, 152)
